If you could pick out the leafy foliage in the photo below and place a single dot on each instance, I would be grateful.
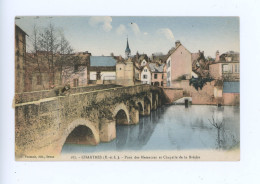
(199, 82)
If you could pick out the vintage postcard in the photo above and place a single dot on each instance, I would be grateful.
(127, 88)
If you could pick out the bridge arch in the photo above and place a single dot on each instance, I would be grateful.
(140, 105)
(121, 114)
(81, 131)
(147, 106)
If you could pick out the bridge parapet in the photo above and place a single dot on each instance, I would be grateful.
(37, 95)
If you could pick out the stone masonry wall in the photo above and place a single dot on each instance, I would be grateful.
(204, 96)
(231, 98)
(173, 94)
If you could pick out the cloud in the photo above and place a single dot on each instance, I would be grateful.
(145, 33)
(167, 33)
(121, 29)
(135, 28)
(105, 22)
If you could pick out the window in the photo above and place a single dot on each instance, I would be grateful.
(227, 68)
(76, 68)
(145, 76)
(236, 68)
(75, 82)
(162, 76)
(39, 80)
(168, 64)
(145, 70)
(162, 83)
(98, 75)
(155, 76)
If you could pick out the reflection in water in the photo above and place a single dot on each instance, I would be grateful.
(174, 128)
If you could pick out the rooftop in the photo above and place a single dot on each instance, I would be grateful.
(155, 67)
(102, 61)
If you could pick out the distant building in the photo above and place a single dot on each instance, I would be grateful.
(226, 67)
(144, 62)
(102, 69)
(20, 59)
(179, 64)
(77, 73)
(157, 74)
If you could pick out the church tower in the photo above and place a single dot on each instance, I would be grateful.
(127, 50)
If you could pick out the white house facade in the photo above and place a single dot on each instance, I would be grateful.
(146, 76)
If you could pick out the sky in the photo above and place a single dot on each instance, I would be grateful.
(104, 35)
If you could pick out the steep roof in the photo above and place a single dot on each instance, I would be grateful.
(102, 61)
(127, 47)
(156, 68)
(231, 87)
(17, 28)
(174, 49)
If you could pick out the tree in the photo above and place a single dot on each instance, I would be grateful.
(199, 82)
(52, 52)
(65, 55)
(35, 50)
(48, 42)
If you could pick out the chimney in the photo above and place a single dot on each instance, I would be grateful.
(177, 43)
(217, 56)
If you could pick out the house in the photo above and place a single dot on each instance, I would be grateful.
(157, 74)
(76, 73)
(146, 75)
(102, 69)
(20, 59)
(226, 67)
(179, 64)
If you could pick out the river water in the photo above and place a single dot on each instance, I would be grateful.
(174, 127)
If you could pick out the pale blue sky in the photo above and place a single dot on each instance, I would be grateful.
(103, 35)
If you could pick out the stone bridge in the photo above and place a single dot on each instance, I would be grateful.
(43, 123)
